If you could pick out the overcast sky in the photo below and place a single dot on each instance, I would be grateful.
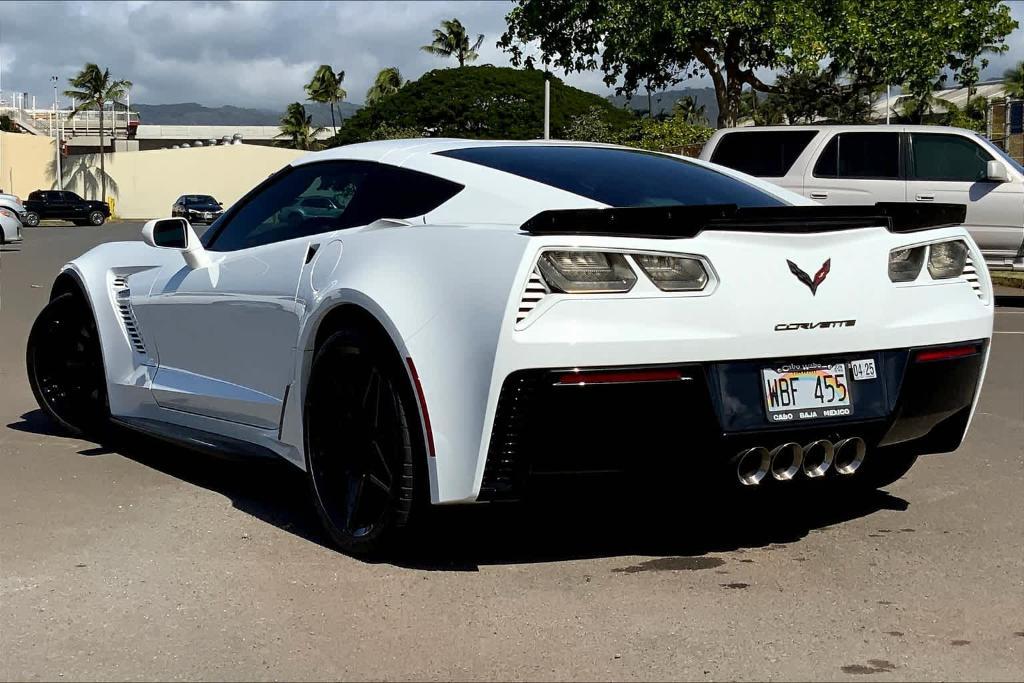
(253, 54)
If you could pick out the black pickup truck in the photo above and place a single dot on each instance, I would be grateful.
(45, 205)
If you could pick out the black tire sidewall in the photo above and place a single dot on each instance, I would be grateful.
(31, 219)
(410, 470)
(97, 218)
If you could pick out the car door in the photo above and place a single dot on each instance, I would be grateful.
(952, 167)
(74, 206)
(857, 167)
(225, 334)
(56, 206)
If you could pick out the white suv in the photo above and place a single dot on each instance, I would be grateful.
(869, 164)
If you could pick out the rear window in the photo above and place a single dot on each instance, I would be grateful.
(769, 153)
(860, 155)
(618, 177)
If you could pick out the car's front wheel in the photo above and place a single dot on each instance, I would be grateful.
(31, 219)
(65, 366)
(362, 442)
(96, 218)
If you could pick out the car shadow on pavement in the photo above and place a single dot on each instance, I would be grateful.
(571, 523)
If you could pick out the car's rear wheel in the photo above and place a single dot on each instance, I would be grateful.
(96, 218)
(31, 219)
(65, 366)
(362, 442)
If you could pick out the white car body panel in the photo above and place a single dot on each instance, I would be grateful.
(10, 228)
(228, 347)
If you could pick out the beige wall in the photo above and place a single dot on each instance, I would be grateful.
(145, 184)
(26, 163)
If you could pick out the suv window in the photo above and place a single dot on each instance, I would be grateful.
(860, 155)
(769, 153)
(355, 192)
(37, 196)
(618, 177)
(936, 156)
(69, 196)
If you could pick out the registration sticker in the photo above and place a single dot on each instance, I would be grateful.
(863, 369)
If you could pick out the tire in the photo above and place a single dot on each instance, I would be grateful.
(96, 218)
(31, 219)
(65, 367)
(363, 443)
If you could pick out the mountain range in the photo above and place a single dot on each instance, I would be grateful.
(662, 102)
(194, 114)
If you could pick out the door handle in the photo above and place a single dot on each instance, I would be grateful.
(819, 195)
(311, 252)
(925, 197)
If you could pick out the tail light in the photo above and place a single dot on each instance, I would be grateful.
(586, 272)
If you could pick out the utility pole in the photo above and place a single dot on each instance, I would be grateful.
(547, 108)
(888, 109)
(56, 133)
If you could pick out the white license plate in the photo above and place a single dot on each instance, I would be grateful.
(806, 391)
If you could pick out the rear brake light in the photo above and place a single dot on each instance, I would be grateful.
(947, 353)
(620, 376)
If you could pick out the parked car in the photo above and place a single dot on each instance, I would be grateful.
(869, 164)
(12, 203)
(45, 205)
(10, 227)
(197, 208)
(490, 314)
(308, 207)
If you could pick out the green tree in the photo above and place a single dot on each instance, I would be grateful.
(297, 125)
(658, 43)
(94, 88)
(1013, 79)
(476, 102)
(388, 82)
(452, 40)
(691, 112)
(325, 88)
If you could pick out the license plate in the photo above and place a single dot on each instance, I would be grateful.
(206, 215)
(806, 391)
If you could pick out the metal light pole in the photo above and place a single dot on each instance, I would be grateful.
(547, 108)
(888, 109)
(56, 134)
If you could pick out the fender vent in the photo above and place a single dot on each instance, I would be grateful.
(970, 276)
(536, 289)
(122, 299)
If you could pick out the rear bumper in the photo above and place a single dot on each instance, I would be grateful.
(700, 422)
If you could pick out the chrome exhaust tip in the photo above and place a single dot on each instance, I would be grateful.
(849, 455)
(818, 457)
(786, 461)
(752, 465)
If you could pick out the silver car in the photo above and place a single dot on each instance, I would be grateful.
(10, 227)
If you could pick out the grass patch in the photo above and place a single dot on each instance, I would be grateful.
(1008, 278)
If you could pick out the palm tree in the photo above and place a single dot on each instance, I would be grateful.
(95, 88)
(691, 112)
(1013, 79)
(452, 40)
(298, 125)
(325, 88)
(388, 82)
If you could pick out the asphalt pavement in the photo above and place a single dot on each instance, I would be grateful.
(142, 561)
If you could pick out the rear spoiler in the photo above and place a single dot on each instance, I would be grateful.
(673, 222)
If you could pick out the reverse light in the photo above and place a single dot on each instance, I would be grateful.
(586, 272)
(673, 273)
(905, 264)
(947, 260)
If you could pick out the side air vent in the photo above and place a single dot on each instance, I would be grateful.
(122, 298)
(536, 289)
(970, 275)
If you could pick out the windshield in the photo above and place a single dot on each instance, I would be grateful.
(1006, 157)
(200, 199)
(618, 177)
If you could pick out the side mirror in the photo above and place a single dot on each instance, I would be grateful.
(176, 233)
(996, 172)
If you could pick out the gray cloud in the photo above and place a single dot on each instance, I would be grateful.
(255, 54)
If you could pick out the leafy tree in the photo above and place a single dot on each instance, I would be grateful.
(594, 125)
(666, 134)
(657, 43)
(325, 88)
(452, 40)
(94, 88)
(386, 131)
(1013, 79)
(691, 112)
(388, 82)
(297, 125)
(476, 102)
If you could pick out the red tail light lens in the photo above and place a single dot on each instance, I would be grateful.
(620, 376)
(946, 353)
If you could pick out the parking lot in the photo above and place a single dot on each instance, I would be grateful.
(142, 561)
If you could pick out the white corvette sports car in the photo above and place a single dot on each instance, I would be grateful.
(475, 315)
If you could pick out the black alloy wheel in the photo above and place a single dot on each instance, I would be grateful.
(31, 219)
(362, 442)
(65, 366)
(96, 218)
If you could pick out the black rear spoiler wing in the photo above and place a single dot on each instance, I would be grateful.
(674, 222)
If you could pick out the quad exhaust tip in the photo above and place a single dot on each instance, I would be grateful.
(752, 465)
(786, 461)
(849, 455)
(818, 457)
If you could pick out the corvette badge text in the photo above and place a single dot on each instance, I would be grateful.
(825, 324)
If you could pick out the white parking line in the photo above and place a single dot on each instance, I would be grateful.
(1000, 332)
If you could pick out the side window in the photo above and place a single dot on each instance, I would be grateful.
(768, 154)
(402, 193)
(860, 155)
(36, 196)
(936, 156)
(70, 197)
